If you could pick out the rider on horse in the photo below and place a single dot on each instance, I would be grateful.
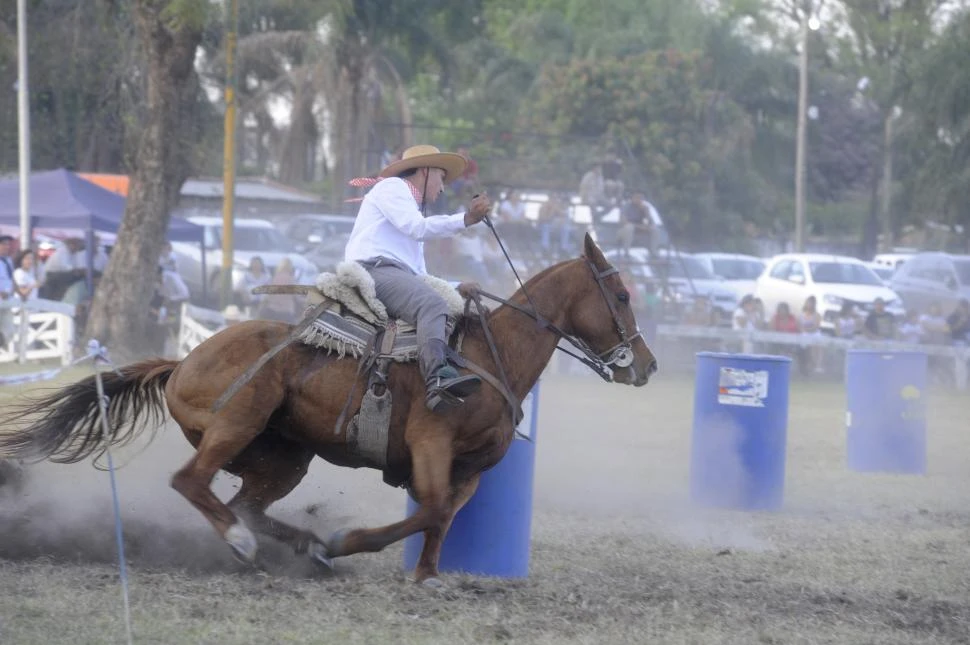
(388, 241)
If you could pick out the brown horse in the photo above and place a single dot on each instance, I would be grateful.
(268, 433)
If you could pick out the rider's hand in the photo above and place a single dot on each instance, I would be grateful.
(467, 289)
(477, 209)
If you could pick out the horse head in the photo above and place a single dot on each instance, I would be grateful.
(601, 317)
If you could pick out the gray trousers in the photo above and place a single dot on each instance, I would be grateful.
(408, 297)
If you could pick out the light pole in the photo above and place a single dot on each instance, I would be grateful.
(23, 124)
(808, 22)
(229, 155)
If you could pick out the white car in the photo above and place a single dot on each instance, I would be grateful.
(250, 237)
(833, 280)
(739, 272)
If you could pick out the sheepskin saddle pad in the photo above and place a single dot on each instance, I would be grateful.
(348, 330)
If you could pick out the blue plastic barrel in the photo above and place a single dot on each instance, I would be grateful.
(491, 533)
(886, 411)
(740, 429)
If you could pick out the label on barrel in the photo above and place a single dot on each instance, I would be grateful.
(741, 387)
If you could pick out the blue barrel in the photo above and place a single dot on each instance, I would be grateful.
(740, 430)
(886, 411)
(490, 535)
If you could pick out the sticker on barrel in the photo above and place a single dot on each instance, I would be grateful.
(741, 387)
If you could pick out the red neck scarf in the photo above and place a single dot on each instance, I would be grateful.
(370, 182)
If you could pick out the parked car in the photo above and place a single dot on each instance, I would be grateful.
(884, 271)
(933, 277)
(893, 260)
(738, 271)
(686, 276)
(251, 237)
(833, 280)
(306, 231)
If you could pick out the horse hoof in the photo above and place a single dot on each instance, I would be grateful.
(335, 543)
(433, 583)
(319, 554)
(243, 542)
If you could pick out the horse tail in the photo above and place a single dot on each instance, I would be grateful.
(65, 426)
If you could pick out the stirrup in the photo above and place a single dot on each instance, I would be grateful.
(451, 392)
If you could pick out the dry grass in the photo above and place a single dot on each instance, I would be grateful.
(618, 556)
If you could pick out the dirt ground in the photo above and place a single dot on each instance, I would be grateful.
(619, 555)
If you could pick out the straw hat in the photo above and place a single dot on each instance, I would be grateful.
(232, 313)
(425, 156)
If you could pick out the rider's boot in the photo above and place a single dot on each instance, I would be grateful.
(446, 387)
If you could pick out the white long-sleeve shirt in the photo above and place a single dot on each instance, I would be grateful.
(390, 225)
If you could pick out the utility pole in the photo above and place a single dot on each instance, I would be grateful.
(23, 124)
(229, 154)
(800, 134)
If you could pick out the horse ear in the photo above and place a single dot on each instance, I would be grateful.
(593, 252)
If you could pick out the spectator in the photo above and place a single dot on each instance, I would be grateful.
(511, 210)
(880, 324)
(62, 270)
(256, 276)
(847, 324)
(935, 329)
(7, 286)
(25, 279)
(758, 314)
(784, 321)
(636, 225)
(959, 322)
(553, 215)
(592, 191)
(745, 317)
(166, 258)
(282, 307)
(232, 315)
(910, 330)
(810, 323)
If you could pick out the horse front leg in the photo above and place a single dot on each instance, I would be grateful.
(426, 570)
(431, 457)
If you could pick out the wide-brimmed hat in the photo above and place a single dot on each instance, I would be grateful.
(425, 156)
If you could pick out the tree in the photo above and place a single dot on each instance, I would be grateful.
(169, 32)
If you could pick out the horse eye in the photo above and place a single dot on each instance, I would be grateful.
(623, 297)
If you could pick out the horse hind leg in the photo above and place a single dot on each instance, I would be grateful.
(270, 468)
(220, 443)
(431, 459)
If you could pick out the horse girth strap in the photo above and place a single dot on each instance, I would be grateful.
(250, 372)
(515, 407)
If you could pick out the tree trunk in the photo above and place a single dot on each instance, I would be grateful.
(118, 316)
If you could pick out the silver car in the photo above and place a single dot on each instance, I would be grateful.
(926, 278)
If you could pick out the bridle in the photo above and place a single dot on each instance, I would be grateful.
(619, 355)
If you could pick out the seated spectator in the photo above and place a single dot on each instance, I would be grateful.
(784, 321)
(760, 319)
(935, 329)
(910, 331)
(745, 316)
(810, 323)
(636, 225)
(553, 215)
(959, 322)
(847, 324)
(880, 324)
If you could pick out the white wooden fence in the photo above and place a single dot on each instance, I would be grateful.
(199, 324)
(753, 342)
(42, 329)
(196, 325)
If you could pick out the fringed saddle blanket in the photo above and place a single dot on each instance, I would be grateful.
(349, 331)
